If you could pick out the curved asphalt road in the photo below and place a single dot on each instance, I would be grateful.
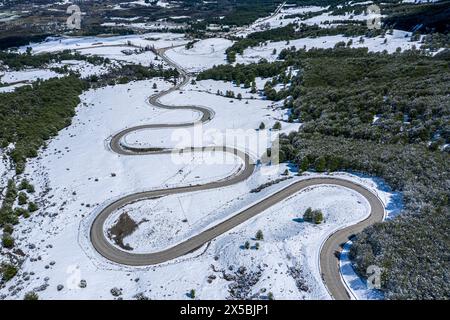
(329, 263)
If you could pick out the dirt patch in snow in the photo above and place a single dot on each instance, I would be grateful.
(124, 227)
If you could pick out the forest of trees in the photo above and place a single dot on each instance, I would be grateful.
(342, 90)
(33, 114)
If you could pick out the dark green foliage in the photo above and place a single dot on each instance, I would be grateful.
(7, 215)
(341, 91)
(18, 212)
(315, 216)
(247, 73)
(413, 252)
(243, 73)
(409, 94)
(18, 61)
(8, 271)
(31, 296)
(32, 207)
(259, 235)
(245, 12)
(33, 114)
(277, 126)
(22, 198)
(289, 32)
(424, 17)
(7, 240)
(256, 38)
(8, 228)
(308, 216)
(135, 72)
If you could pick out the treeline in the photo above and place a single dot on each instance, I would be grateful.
(33, 114)
(18, 61)
(278, 72)
(341, 92)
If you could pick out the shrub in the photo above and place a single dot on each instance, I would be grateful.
(25, 185)
(32, 207)
(318, 217)
(7, 240)
(31, 296)
(259, 235)
(308, 215)
(277, 126)
(8, 271)
(315, 216)
(23, 198)
(8, 228)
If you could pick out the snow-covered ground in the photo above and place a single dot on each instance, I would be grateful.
(277, 20)
(77, 167)
(123, 53)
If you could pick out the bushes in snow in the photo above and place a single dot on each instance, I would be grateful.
(7, 240)
(8, 271)
(315, 216)
(31, 296)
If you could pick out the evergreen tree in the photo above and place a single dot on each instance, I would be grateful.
(308, 215)
(259, 235)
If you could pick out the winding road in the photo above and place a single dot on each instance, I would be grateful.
(329, 263)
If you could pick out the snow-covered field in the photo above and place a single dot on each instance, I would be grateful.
(205, 54)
